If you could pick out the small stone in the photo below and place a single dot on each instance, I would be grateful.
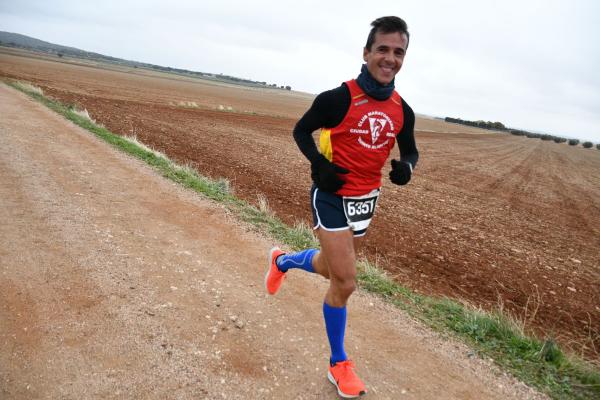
(574, 260)
(239, 324)
(572, 289)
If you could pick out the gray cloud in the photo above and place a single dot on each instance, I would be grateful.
(528, 64)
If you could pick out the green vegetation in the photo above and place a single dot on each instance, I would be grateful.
(499, 126)
(479, 124)
(492, 335)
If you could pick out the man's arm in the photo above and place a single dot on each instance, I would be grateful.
(406, 137)
(328, 110)
(402, 170)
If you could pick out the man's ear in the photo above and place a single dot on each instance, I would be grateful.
(365, 52)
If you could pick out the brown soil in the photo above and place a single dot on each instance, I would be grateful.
(491, 219)
(116, 283)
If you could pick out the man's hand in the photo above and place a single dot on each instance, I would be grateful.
(324, 174)
(401, 172)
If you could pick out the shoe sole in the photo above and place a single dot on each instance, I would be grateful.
(269, 269)
(342, 394)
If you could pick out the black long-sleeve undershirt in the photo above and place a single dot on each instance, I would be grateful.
(329, 109)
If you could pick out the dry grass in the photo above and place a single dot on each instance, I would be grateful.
(133, 139)
(263, 204)
(84, 114)
(29, 88)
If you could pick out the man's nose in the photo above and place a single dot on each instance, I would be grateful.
(389, 56)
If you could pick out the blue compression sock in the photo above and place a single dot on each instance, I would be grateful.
(335, 324)
(301, 259)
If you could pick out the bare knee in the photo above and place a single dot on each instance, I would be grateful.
(342, 288)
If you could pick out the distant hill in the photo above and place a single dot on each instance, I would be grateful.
(25, 42)
(10, 39)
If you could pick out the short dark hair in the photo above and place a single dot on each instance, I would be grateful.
(389, 24)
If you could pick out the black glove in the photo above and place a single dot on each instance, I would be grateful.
(324, 174)
(400, 173)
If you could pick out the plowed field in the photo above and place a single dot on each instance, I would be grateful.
(489, 218)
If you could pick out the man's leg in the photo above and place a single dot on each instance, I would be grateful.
(280, 263)
(337, 261)
(319, 263)
(338, 258)
(309, 260)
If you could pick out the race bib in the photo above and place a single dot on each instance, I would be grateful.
(359, 210)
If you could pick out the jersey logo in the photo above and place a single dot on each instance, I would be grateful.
(377, 125)
(380, 128)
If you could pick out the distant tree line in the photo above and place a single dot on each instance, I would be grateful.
(220, 77)
(478, 124)
(499, 126)
(61, 51)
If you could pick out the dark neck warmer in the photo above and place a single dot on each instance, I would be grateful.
(373, 88)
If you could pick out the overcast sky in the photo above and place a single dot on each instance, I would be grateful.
(529, 64)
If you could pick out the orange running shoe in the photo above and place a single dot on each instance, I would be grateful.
(345, 380)
(274, 277)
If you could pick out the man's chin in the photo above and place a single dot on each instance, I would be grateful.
(385, 82)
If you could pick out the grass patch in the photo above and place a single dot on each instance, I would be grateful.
(493, 335)
(27, 88)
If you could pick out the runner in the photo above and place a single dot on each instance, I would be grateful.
(360, 122)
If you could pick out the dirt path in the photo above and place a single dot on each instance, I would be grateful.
(117, 284)
(496, 220)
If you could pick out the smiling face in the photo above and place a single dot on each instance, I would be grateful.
(386, 55)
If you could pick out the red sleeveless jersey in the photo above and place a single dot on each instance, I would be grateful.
(362, 142)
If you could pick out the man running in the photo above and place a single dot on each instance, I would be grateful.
(359, 122)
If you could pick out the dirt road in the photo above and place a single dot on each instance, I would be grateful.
(117, 284)
(492, 219)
